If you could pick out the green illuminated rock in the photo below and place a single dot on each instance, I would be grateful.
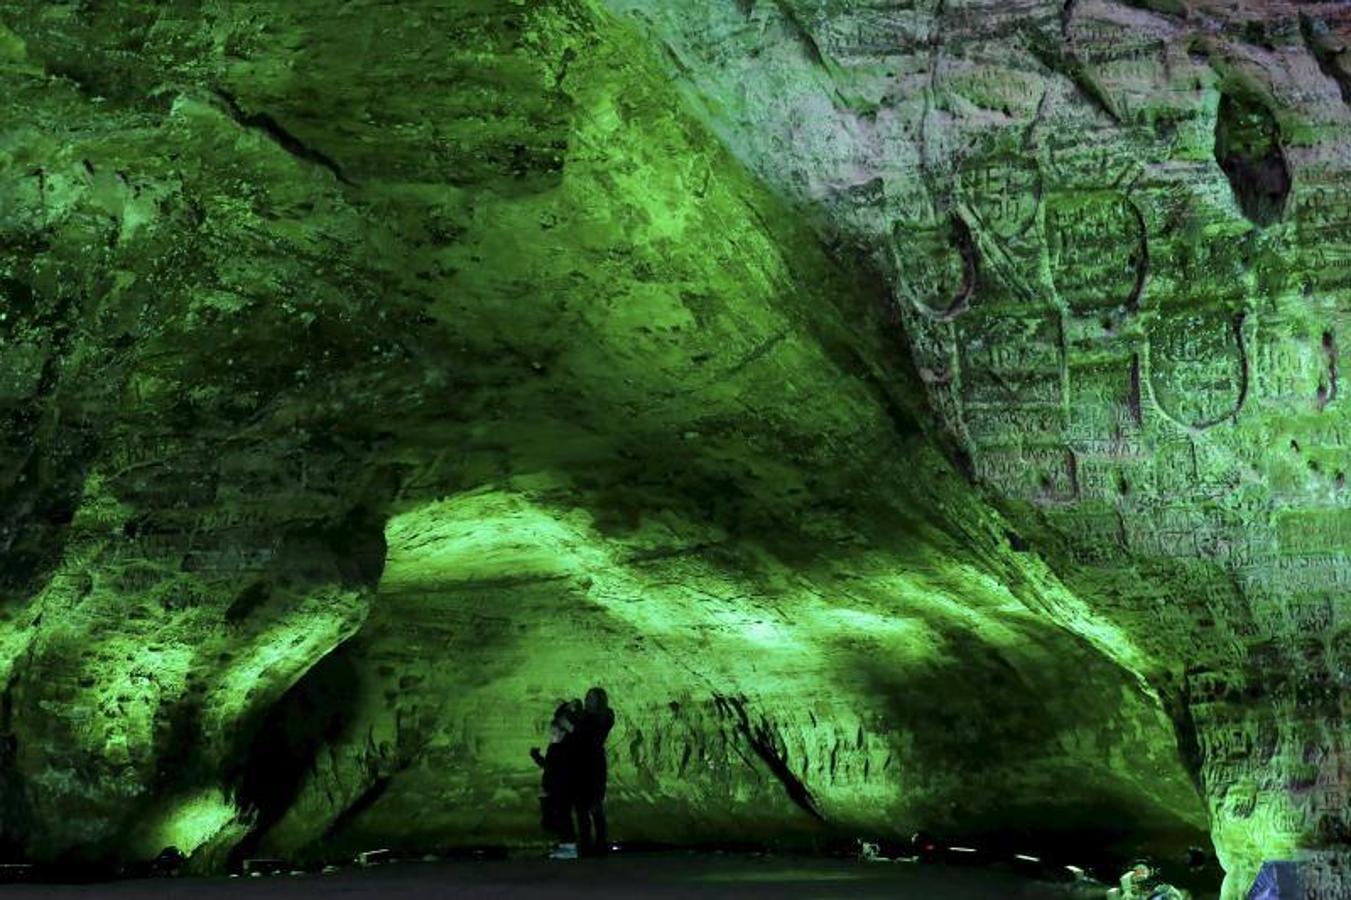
(1117, 234)
(918, 415)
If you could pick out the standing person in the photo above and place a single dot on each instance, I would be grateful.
(593, 771)
(558, 783)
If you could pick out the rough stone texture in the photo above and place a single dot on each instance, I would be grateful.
(1117, 237)
(376, 374)
(355, 424)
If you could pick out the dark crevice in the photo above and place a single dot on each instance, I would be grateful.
(1258, 34)
(761, 740)
(757, 352)
(886, 373)
(959, 237)
(179, 746)
(1248, 149)
(1134, 400)
(284, 139)
(1164, 7)
(17, 299)
(101, 83)
(1037, 116)
(675, 59)
(351, 551)
(966, 246)
(1326, 57)
(83, 82)
(1142, 268)
(565, 62)
(886, 377)
(902, 420)
(1067, 17)
(1328, 392)
(1178, 706)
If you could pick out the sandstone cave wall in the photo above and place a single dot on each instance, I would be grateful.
(372, 377)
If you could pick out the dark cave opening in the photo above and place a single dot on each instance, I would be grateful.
(1248, 150)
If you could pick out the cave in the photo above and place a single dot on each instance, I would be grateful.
(921, 417)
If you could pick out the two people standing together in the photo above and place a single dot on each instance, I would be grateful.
(575, 772)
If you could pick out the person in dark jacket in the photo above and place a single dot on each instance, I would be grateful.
(593, 772)
(558, 783)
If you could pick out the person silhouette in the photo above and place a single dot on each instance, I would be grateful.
(593, 728)
(559, 779)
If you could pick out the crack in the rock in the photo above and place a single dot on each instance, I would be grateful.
(1178, 704)
(966, 246)
(902, 419)
(267, 125)
(1136, 401)
(1175, 8)
(565, 62)
(363, 802)
(32, 497)
(931, 86)
(762, 742)
(15, 814)
(1142, 268)
(275, 748)
(1327, 393)
(638, 557)
(757, 352)
(1036, 119)
(675, 58)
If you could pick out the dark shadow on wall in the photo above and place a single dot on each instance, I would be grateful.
(44, 450)
(45, 455)
(282, 745)
(992, 744)
(15, 815)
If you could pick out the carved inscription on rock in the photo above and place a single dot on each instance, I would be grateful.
(1097, 250)
(1003, 190)
(1199, 369)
